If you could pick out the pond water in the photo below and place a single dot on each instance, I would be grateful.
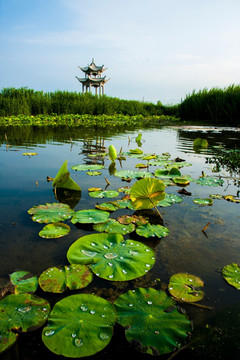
(23, 184)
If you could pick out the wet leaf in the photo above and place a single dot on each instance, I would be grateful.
(107, 206)
(134, 219)
(59, 279)
(149, 230)
(169, 200)
(104, 194)
(231, 274)
(24, 282)
(113, 226)
(63, 179)
(90, 216)
(203, 201)
(145, 316)
(185, 287)
(168, 174)
(209, 181)
(93, 173)
(146, 193)
(112, 258)
(51, 213)
(54, 231)
(85, 167)
(79, 326)
(132, 174)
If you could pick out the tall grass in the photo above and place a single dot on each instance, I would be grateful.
(218, 106)
(29, 102)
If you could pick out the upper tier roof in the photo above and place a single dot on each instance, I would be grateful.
(92, 68)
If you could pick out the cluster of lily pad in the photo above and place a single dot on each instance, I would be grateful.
(83, 324)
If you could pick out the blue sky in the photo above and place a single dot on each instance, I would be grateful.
(153, 49)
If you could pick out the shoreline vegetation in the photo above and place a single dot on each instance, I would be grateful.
(25, 106)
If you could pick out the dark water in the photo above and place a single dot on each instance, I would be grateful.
(23, 183)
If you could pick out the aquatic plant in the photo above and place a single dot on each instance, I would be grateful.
(23, 282)
(64, 180)
(90, 216)
(54, 231)
(186, 287)
(112, 152)
(51, 212)
(231, 274)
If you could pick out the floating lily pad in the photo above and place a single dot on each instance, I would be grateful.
(203, 201)
(85, 167)
(79, 326)
(149, 230)
(129, 174)
(54, 231)
(182, 180)
(90, 216)
(51, 213)
(141, 166)
(217, 196)
(132, 219)
(30, 154)
(107, 206)
(64, 180)
(24, 282)
(231, 274)
(232, 198)
(112, 258)
(124, 203)
(125, 189)
(59, 279)
(93, 173)
(185, 287)
(162, 162)
(168, 174)
(146, 193)
(136, 151)
(200, 143)
(113, 226)
(169, 200)
(20, 312)
(104, 194)
(209, 181)
(151, 319)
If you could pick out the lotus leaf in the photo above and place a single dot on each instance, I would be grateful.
(104, 194)
(141, 166)
(59, 279)
(133, 174)
(125, 189)
(149, 157)
(112, 152)
(231, 274)
(134, 219)
(203, 201)
(30, 154)
(94, 189)
(168, 174)
(146, 193)
(162, 162)
(169, 200)
(51, 213)
(79, 326)
(85, 167)
(112, 258)
(232, 198)
(136, 151)
(149, 230)
(20, 312)
(93, 173)
(113, 226)
(125, 203)
(182, 180)
(54, 231)
(185, 287)
(209, 181)
(217, 196)
(151, 319)
(200, 143)
(90, 216)
(24, 282)
(63, 179)
(107, 206)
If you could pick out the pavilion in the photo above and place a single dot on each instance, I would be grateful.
(93, 78)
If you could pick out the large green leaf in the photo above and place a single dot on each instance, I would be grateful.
(63, 179)
(128, 174)
(90, 216)
(185, 287)
(113, 226)
(79, 326)
(209, 181)
(231, 274)
(51, 213)
(59, 279)
(104, 194)
(149, 230)
(146, 193)
(84, 167)
(20, 312)
(112, 258)
(152, 320)
(24, 282)
(54, 231)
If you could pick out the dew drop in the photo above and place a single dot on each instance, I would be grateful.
(149, 302)
(110, 264)
(88, 253)
(170, 288)
(92, 311)
(74, 335)
(147, 265)
(132, 252)
(110, 276)
(156, 332)
(103, 336)
(24, 309)
(147, 250)
(93, 244)
(78, 342)
(102, 315)
(190, 279)
(124, 271)
(83, 308)
(110, 255)
(130, 304)
(49, 332)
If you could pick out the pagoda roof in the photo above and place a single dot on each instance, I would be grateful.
(92, 68)
(92, 81)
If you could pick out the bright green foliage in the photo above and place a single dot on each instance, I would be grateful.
(169, 200)
(203, 201)
(113, 226)
(136, 151)
(112, 152)
(90, 216)
(107, 206)
(104, 194)
(51, 213)
(93, 173)
(151, 318)
(185, 287)
(79, 326)
(200, 143)
(54, 231)
(182, 180)
(63, 179)
(124, 203)
(84, 167)
(231, 274)
(146, 193)
(129, 174)
(23, 312)
(24, 282)
(149, 230)
(168, 174)
(112, 258)
(59, 279)
(209, 181)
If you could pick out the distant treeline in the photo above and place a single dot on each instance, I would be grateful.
(216, 106)
(29, 102)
